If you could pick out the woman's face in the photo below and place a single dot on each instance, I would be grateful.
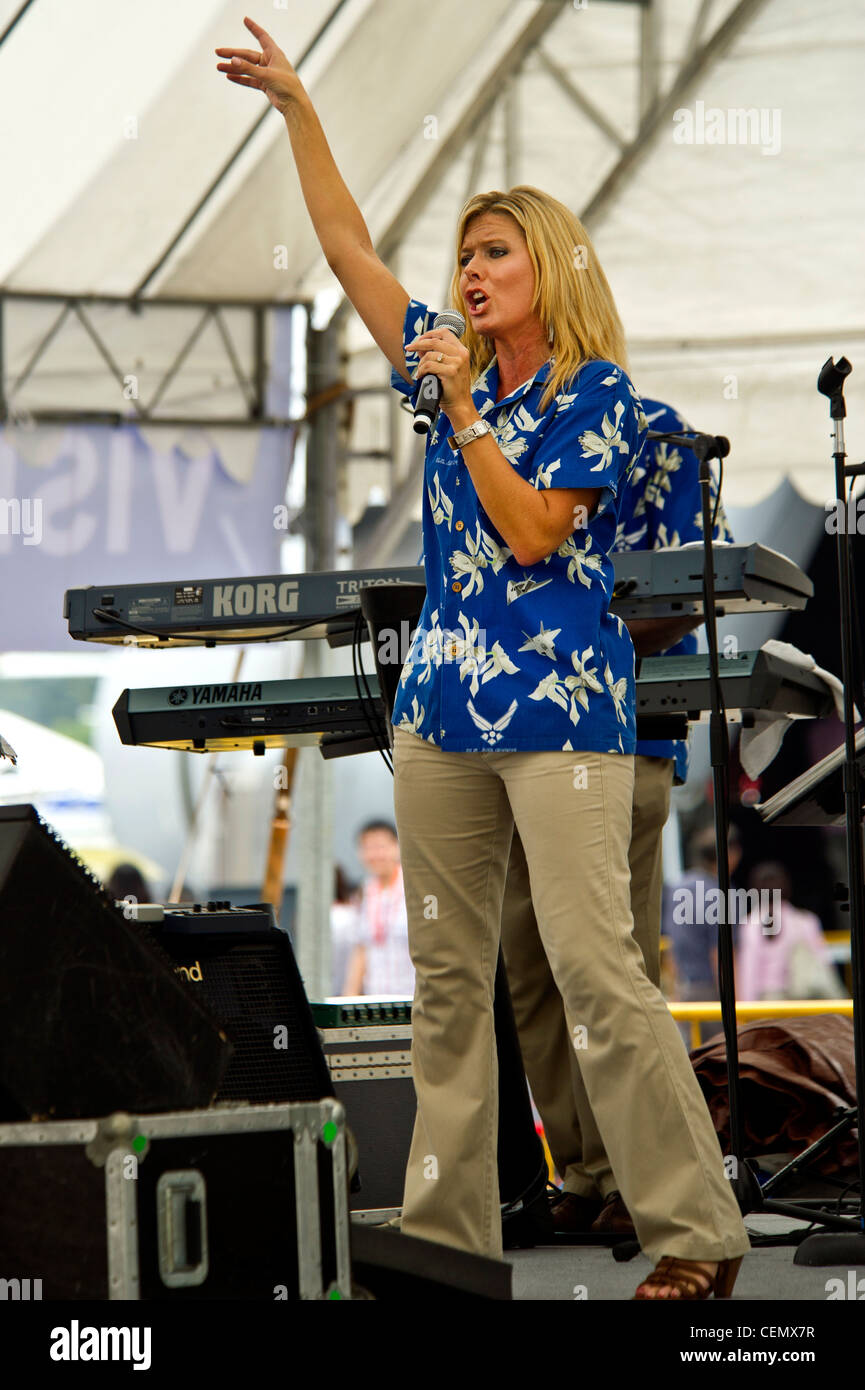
(494, 260)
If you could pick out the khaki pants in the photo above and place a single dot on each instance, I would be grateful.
(550, 1060)
(455, 815)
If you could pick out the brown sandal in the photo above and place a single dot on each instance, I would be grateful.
(690, 1281)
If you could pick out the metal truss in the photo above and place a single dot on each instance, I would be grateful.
(252, 383)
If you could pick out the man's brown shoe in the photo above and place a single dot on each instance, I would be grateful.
(614, 1218)
(572, 1213)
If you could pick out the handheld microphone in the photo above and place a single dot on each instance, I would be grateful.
(430, 391)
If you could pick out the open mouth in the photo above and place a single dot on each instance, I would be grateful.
(477, 302)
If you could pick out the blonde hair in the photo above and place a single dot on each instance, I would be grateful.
(572, 297)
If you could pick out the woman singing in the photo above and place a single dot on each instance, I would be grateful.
(516, 707)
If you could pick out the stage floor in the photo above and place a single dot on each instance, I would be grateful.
(768, 1273)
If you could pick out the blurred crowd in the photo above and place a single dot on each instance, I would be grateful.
(781, 951)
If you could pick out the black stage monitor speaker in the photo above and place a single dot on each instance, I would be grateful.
(93, 1017)
(387, 1265)
(245, 970)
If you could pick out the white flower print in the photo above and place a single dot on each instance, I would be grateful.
(605, 444)
(481, 551)
(545, 472)
(570, 691)
(618, 689)
(495, 553)
(413, 725)
(469, 563)
(440, 504)
(666, 462)
(512, 445)
(581, 560)
(426, 652)
(525, 421)
(475, 660)
(639, 413)
(664, 539)
(481, 382)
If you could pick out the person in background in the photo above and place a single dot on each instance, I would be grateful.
(694, 944)
(380, 962)
(126, 881)
(343, 926)
(661, 509)
(781, 949)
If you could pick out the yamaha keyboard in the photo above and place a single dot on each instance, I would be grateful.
(252, 714)
(276, 607)
(328, 710)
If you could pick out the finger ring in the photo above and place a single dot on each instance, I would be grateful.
(441, 357)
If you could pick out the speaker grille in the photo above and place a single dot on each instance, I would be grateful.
(254, 989)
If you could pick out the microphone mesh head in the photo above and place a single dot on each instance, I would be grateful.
(452, 320)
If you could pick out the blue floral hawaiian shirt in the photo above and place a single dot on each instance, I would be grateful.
(662, 506)
(506, 657)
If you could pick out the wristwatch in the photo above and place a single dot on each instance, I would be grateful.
(474, 431)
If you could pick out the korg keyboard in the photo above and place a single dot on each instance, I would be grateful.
(277, 607)
(266, 607)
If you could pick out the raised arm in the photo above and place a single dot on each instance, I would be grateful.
(376, 294)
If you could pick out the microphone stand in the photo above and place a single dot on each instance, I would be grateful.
(845, 1243)
(744, 1181)
(848, 1248)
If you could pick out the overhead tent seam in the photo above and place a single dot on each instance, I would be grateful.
(229, 164)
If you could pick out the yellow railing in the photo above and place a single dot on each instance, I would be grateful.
(748, 1009)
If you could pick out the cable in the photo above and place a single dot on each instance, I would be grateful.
(365, 695)
(718, 495)
(106, 615)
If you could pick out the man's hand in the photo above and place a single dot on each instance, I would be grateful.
(653, 635)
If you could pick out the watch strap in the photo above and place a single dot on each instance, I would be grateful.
(473, 431)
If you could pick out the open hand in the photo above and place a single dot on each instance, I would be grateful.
(268, 71)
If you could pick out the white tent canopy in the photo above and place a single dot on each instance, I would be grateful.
(736, 266)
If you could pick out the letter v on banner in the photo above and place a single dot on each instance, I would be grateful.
(181, 487)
